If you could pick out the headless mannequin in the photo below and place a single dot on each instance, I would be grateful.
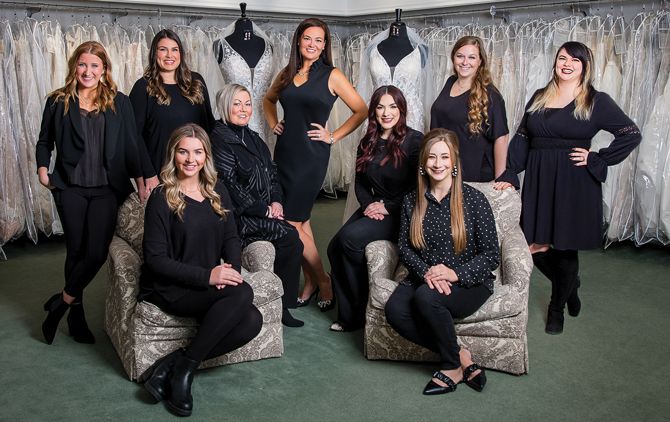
(397, 45)
(243, 40)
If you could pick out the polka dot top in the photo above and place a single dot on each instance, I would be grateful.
(481, 255)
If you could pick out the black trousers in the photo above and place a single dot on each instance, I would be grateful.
(426, 316)
(348, 266)
(227, 317)
(288, 257)
(89, 219)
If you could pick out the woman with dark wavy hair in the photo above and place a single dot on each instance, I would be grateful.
(167, 96)
(386, 167)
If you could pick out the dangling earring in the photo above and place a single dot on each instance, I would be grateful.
(422, 171)
(454, 171)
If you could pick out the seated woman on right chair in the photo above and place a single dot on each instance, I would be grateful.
(449, 244)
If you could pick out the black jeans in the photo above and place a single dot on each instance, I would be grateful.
(348, 266)
(227, 317)
(288, 257)
(89, 219)
(426, 316)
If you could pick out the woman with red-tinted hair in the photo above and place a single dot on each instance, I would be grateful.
(386, 167)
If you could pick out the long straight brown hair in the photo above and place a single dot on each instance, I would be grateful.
(295, 59)
(458, 232)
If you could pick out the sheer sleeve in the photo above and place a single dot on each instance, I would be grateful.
(609, 117)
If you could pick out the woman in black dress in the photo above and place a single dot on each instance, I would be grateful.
(167, 96)
(449, 244)
(245, 166)
(471, 106)
(386, 166)
(562, 189)
(188, 230)
(307, 89)
(91, 126)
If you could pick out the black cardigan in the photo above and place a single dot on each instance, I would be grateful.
(65, 132)
(250, 175)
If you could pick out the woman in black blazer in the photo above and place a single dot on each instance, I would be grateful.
(92, 127)
(244, 164)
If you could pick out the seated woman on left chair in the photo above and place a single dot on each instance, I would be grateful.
(188, 230)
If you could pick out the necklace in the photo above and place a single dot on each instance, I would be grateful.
(303, 74)
(184, 190)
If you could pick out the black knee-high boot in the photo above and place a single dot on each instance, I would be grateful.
(547, 263)
(566, 265)
(56, 308)
(181, 402)
(76, 322)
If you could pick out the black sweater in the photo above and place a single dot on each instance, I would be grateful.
(179, 255)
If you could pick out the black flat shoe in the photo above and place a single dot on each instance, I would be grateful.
(478, 382)
(574, 304)
(289, 320)
(433, 388)
(554, 322)
(305, 302)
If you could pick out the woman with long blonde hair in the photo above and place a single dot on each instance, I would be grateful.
(562, 208)
(471, 106)
(188, 231)
(91, 126)
(449, 244)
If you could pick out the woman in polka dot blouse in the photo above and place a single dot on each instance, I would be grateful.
(448, 241)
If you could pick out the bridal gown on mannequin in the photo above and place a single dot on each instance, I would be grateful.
(256, 79)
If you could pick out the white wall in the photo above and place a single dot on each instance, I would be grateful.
(313, 7)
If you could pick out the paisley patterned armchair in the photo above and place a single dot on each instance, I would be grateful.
(496, 333)
(142, 333)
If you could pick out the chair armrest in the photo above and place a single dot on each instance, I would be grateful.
(124, 266)
(266, 285)
(382, 257)
(516, 261)
(259, 255)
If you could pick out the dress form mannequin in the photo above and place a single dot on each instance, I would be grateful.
(243, 40)
(397, 45)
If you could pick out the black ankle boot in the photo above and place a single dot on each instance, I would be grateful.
(554, 322)
(56, 308)
(76, 322)
(574, 304)
(181, 402)
(288, 320)
(158, 384)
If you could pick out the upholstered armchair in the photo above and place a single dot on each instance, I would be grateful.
(496, 333)
(142, 333)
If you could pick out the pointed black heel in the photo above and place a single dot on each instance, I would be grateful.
(56, 308)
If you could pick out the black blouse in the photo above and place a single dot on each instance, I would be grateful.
(155, 122)
(90, 170)
(477, 161)
(475, 264)
(387, 182)
(179, 255)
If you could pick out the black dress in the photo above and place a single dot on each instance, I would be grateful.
(302, 162)
(447, 112)
(561, 202)
(155, 122)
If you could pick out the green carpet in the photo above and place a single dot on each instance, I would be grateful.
(608, 365)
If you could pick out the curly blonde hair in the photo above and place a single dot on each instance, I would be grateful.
(478, 102)
(106, 90)
(207, 177)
